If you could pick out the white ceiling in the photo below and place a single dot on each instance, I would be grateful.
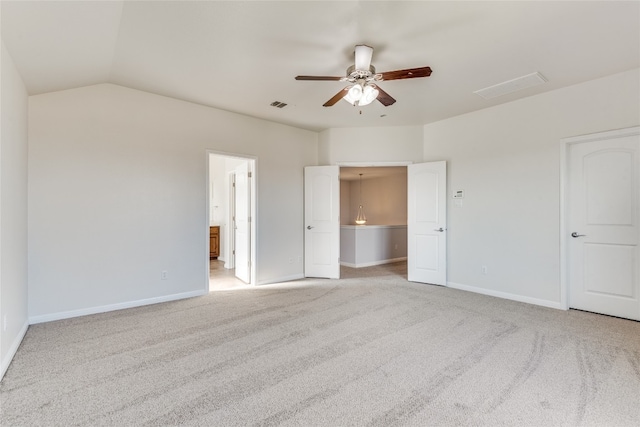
(241, 56)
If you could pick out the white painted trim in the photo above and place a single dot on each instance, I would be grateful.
(206, 249)
(13, 349)
(281, 279)
(113, 307)
(372, 164)
(564, 176)
(363, 227)
(611, 134)
(506, 295)
(565, 143)
(370, 264)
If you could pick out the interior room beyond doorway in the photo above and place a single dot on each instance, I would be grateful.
(380, 193)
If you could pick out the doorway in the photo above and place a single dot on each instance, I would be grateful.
(231, 206)
(424, 221)
(377, 196)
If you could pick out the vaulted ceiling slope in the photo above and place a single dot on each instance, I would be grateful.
(241, 56)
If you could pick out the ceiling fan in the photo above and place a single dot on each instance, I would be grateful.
(362, 78)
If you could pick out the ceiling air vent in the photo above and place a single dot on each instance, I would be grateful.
(524, 82)
(278, 104)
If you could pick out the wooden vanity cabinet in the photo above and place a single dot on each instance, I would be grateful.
(214, 241)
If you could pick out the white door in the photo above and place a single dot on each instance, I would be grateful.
(427, 223)
(230, 261)
(603, 214)
(322, 221)
(243, 222)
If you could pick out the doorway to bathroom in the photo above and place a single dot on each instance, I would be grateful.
(231, 204)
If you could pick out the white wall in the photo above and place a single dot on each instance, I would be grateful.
(117, 193)
(507, 161)
(371, 145)
(367, 245)
(13, 209)
(345, 203)
(384, 199)
(218, 190)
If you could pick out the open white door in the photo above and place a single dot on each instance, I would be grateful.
(322, 221)
(243, 222)
(230, 261)
(427, 223)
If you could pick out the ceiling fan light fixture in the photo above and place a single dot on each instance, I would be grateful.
(353, 94)
(369, 94)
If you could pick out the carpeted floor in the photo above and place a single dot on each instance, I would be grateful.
(370, 351)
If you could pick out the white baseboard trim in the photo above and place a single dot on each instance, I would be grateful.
(371, 264)
(506, 295)
(281, 279)
(6, 361)
(112, 307)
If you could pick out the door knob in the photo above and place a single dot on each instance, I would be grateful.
(574, 234)
(439, 229)
(309, 227)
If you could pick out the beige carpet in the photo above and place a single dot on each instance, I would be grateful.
(373, 351)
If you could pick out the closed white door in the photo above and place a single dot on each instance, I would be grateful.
(322, 221)
(427, 223)
(603, 212)
(243, 222)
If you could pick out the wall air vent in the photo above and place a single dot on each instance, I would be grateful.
(278, 104)
(524, 82)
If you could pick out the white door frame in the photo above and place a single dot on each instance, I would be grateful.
(565, 145)
(254, 210)
(372, 164)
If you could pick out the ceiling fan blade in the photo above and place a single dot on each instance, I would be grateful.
(409, 73)
(363, 57)
(337, 97)
(325, 78)
(384, 98)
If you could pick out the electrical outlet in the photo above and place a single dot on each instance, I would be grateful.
(484, 269)
(164, 275)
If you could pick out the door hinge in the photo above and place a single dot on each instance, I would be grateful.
(249, 174)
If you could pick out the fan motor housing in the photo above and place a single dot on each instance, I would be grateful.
(360, 74)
